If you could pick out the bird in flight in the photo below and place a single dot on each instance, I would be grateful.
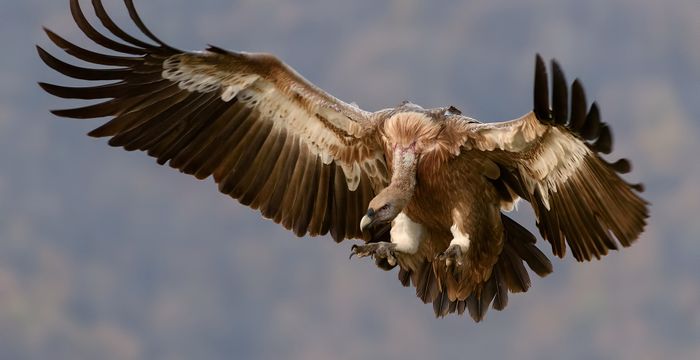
(426, 189)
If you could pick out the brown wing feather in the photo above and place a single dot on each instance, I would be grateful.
(268, 137)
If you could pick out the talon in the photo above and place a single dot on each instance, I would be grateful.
(352, 251)
(376, 251)
(362, 250)
(391, 259)
(452, 257)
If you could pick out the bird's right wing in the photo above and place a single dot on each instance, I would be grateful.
(269, 138)
(553, 161)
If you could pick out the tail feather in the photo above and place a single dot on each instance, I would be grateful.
(426, 283)
(500, 301)
(442, 305)
(404, 276)
(515, 274)
(474, 307)
(488, 293)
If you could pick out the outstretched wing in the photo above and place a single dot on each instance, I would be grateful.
(270, 138)
(551, 158)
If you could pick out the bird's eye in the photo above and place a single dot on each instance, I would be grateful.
(386, 206)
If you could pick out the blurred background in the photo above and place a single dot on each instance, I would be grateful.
(104, 255)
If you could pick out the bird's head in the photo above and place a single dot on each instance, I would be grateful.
(384, 208)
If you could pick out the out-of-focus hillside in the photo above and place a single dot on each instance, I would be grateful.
(104, 255)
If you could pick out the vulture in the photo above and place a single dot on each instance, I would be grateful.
(426, 190)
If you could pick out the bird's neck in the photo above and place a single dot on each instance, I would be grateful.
(403, 178)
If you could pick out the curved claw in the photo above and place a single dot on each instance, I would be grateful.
(452, 256)
(375, 250)
(352, 251)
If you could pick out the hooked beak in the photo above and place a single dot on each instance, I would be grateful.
(365, 223)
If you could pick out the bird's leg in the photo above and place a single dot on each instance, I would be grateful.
(455, 254)
(406, 237)
(377, 250)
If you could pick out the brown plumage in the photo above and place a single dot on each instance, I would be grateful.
(425, 188)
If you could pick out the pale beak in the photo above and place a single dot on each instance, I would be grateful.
(365, 222)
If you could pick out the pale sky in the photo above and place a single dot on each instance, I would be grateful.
(105, 255)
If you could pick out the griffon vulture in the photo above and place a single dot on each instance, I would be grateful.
(426, 189)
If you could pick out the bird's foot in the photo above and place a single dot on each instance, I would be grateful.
(378, 250)
(453, 256)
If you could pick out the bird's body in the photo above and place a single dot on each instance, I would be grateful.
(450, 190)
(425, 188)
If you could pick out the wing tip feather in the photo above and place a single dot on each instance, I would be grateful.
(541, 91)
(559, 94)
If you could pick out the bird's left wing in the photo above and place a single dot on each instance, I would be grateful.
(552, 160)
(270, 138)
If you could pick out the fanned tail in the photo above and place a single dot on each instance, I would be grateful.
(509, 275)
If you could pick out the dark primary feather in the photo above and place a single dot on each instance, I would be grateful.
(112, 27)
(96, 36)
(91, 56)
(559, 95)
(578, 106)
(592, 125)
(541, 91)
(604, 143)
